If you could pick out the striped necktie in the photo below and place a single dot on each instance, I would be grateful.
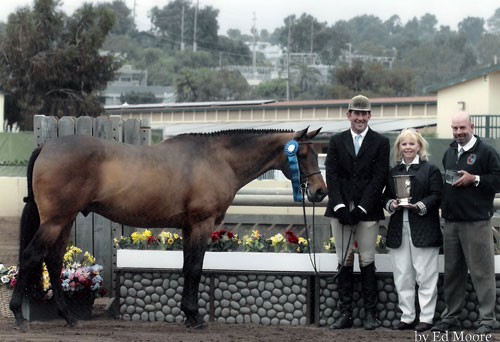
(460, 152)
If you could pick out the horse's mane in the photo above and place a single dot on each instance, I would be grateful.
(231, 132)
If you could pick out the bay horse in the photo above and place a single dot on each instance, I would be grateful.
(186, 182)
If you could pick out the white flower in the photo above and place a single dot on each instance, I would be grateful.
(5, 279)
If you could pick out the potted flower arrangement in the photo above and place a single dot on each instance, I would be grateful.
(256, 242)
(223, 241)
(8, 276)
(81, 283)
(165, 241)
(290, 243)
(381, 246)
(247, 253)
(329, 245)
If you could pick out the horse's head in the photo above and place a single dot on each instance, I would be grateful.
(310, 173)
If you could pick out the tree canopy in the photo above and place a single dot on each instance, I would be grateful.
(57, 64)
(50, 63)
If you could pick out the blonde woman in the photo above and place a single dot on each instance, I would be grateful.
(414, 233)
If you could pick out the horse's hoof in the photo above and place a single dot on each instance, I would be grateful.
(23, 325)
(73, 324)
(200, 325)
(196, 324)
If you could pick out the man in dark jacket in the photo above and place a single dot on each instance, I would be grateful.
(472, 177)
(357, 165)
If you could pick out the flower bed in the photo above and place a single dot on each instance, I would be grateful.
(80, 280)
(226, 241)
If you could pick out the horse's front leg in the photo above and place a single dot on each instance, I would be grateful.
(195, 245)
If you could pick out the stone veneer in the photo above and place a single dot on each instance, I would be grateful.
(270, 299)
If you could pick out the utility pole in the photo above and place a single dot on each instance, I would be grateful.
(134, 14)
(182, 28)
(254, 32)
(288, 59)
(312, 34)
(350, 54)
(195, 46)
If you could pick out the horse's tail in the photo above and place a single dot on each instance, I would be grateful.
(30, 219)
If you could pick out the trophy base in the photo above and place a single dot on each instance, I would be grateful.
(404, 202)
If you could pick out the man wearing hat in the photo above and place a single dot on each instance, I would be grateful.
(357, 167)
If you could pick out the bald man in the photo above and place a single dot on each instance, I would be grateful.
(472, 177)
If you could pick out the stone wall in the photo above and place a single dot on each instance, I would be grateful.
(270, 299)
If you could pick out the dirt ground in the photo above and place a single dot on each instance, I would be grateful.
(104, 328)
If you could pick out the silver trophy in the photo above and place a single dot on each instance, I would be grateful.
(403, 187)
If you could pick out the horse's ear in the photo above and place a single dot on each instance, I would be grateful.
(312, 134)
(300, 134)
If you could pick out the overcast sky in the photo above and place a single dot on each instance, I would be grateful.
(270, 13)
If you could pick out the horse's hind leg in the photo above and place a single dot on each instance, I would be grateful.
(30, 263)
(195, 245)
(27, 274)
(54, 262)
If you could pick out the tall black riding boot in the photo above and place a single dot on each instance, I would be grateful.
(369, 283)
(344, 281)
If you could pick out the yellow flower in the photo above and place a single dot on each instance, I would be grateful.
(170, 241)
(256, 233)
(302, 241)
(332, 240)
(137, 237)
(165, 235)
(147, 233)
(45, 278)
(326, 246)
(176, 236)
(90, 258)
(277, 239)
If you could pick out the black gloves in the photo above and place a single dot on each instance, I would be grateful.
(357, 215)
(342, 214)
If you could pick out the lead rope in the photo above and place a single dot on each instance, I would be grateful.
(346, 251)
(310, 242)
(312, 257)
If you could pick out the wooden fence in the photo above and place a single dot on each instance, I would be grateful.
(95, 233)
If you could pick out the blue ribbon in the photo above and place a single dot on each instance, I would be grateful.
(291, 149)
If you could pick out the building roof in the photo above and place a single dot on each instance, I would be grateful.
(180, 106)
(328, 126)
(123, 89)
(378, 101)
(464, 78)
(266, 104)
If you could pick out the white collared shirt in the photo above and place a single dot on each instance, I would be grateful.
(415, 160)
(363, 135)
(469, 145)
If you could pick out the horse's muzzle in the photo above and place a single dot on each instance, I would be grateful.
(316, 196)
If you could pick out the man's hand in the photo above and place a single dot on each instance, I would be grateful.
(465, 180)
(357, 215)
(342, 214)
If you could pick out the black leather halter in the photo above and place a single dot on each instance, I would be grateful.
(315, 172)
